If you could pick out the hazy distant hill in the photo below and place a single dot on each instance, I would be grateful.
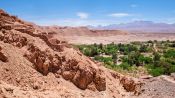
(140, 26)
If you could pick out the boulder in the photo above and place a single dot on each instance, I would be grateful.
(131, 85)
(3, 58)
(83, 77)
(100, 82)
(68, 75)
(128, 84)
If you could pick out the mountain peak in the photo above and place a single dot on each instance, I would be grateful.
(140, 26)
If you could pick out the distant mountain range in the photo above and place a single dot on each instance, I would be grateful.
(139, 26)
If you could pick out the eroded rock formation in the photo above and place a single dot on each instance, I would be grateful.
(80, 72)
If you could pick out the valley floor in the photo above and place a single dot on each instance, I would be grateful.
(120, 38)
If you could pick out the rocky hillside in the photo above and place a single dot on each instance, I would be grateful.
(33, 64)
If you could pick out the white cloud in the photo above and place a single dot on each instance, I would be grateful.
(77, 21)
(119, 15)
(133, 5)
(74, 22)
(83, 15)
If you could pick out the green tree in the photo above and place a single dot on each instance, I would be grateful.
(94, 51)
(156, 60)
(125, 66)
(87, 52)
(148, 60)
(170, 53)
(133, 58)
(143, 48)
(101, 46)
(114, 57)
(157, 71)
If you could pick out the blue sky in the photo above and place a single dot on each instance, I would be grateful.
(90, 12)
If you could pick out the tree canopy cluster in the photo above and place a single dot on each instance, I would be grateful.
(157, 57)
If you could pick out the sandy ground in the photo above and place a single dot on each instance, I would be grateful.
(120, 38)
